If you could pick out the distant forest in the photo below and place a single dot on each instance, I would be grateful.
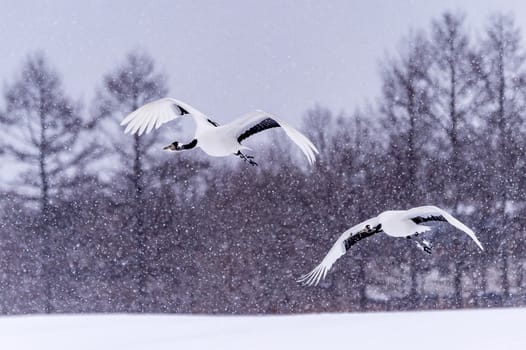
(94, 220)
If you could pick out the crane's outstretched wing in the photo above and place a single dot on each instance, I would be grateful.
(157, 113)
(257, 121)
(432, 213)
(338, 249)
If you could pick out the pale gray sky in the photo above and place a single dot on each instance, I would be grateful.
(227, 57)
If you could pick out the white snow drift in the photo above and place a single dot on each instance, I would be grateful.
(481, 330)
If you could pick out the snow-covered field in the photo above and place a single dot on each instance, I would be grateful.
(487, 329)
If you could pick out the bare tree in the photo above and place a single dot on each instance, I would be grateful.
(405, 103)
(43, 133)
(502, 81)
(43, 130)
(453, 81)
(406, 116)
(131, 85)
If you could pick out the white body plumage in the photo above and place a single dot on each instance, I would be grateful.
(394, 223)
(215, 140)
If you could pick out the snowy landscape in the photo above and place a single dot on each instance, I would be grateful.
(474, 329)
(263, 175)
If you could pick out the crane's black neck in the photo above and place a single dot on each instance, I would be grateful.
(178, 147)
(190, 145)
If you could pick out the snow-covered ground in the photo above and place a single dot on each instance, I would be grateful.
(487, 329)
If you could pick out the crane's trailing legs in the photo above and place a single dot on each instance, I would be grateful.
(246, 158)
(423, 244)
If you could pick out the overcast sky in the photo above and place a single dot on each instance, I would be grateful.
(227, 57)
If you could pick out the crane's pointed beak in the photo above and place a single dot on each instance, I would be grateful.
(172, 146)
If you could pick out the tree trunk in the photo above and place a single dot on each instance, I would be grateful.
(363, 286)
(503, 135)
(505, 277)
(139, 214)
(457, 282)
(454, 170)
(45, 217)
(411, 188)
